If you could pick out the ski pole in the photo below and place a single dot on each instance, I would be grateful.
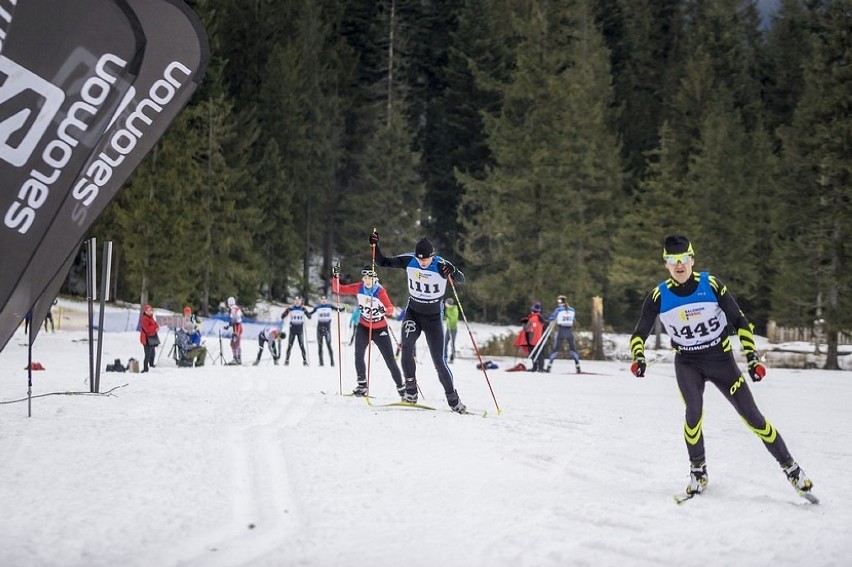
(372, 298)
(473, 342)
(542, 342)
(339, 347)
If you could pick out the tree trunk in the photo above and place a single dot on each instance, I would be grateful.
(597, 328)
(831, 362)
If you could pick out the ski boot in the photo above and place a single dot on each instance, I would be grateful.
(697, 478)
(800, 481)
(455, 403)
(360, 390)
(401, 391)
(410, 395)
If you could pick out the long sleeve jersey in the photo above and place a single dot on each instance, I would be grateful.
(426, 286)
(698, 315)
(373, 302)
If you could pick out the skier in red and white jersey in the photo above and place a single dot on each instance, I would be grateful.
(374, 305)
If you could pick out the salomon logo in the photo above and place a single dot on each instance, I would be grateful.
(29, 104)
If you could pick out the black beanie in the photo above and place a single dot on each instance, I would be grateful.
(424, 248)
(677, 244)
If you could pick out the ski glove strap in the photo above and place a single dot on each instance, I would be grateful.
(755, 368)
(446, 269)
(638, 366)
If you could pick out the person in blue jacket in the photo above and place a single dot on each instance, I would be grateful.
(298, 315)
(563, 315)
(323, 310)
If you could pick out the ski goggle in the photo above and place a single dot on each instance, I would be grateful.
(369, 273)
(673, 259)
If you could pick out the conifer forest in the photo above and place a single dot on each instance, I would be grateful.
(545, 146)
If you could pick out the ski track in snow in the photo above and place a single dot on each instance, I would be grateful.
(263, 500)
(577, 471)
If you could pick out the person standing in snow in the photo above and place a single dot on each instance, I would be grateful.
(427, 285)
(323, 311)
(374, 306)
(563, 315)
(451, 319)
(298, 315)
(697, 310)
(235, 323)
(148, 328)
(268, 335)
(530, 336)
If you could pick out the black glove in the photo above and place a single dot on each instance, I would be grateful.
(335, 271)
(446, 269)
(374, 237)
(755, 368)
(638, 367)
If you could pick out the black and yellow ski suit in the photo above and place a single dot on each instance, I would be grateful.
(699, 316)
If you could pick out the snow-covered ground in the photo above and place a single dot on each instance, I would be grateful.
(269, 466)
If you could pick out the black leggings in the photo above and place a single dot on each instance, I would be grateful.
(432, 326)
(381, 338)
(148, 358)
(693, 372)
(324, 336)
(296, 332)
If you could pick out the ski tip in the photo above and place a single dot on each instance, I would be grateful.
(809, 497)
(683, 497)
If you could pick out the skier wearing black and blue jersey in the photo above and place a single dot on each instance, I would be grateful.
(563, 317)
(697, 311)
(427, 284)
(323, 310)
(298, 315)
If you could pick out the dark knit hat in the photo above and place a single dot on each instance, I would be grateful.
(677, 244)
(424, 248)
(536, 307)
(369, 271)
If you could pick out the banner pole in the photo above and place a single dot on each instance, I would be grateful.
(104, 297)
(92, 294)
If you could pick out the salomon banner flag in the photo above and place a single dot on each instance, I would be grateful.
(64, 68)
(174, 64)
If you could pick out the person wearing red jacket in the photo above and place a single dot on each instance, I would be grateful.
(148, 336)
(375, 305)
(534, 325)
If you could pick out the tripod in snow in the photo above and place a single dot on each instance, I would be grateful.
(220, 358)
(173, 352)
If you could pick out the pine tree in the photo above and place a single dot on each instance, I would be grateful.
(813, 282)
(657, 208)
(388, 191)
(540, 221)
